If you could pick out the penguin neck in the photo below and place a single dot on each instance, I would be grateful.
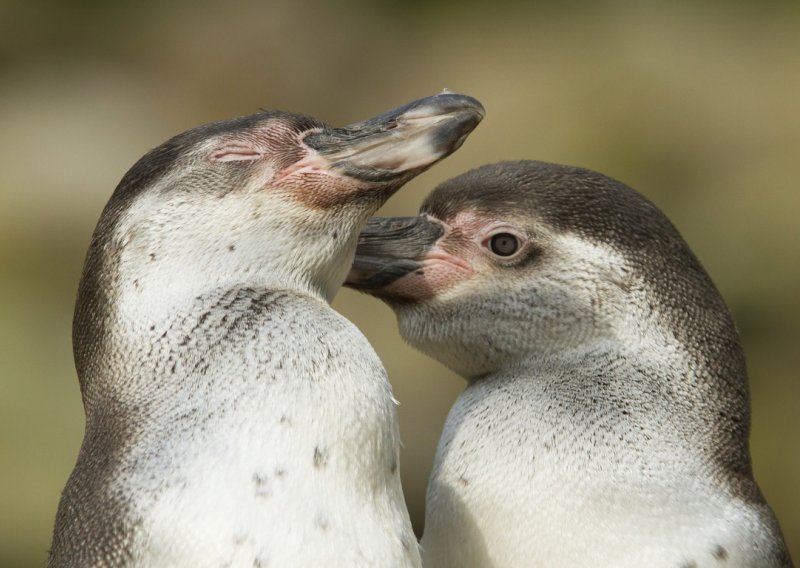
(257, 241)
(143, 275)
(163, 296)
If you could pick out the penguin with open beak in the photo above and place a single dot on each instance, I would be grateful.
(232, 417)
(606, 418)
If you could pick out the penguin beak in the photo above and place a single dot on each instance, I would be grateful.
(389, 248)
(401, 143)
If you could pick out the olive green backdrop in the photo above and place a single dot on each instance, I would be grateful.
(696, 104)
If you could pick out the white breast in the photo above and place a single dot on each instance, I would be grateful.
(523, 478)
(273, 442)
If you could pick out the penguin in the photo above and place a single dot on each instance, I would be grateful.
(232, 417)
(606, 417)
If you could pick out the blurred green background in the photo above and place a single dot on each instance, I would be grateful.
(696, 104)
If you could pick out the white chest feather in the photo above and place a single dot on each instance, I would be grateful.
(524, 479)
(269, 439)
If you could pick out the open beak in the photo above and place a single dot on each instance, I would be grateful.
(389, 248)
(399, 144)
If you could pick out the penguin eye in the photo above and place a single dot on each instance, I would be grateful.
(236, 153)
(503, 244)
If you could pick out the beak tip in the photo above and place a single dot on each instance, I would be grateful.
(448, 103)
(403, 142)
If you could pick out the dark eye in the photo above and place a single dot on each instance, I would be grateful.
(503, 244)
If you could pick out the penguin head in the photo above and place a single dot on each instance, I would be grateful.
(527, 259)
(270, 199)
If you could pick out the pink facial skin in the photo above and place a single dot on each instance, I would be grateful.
(457, 256)
(440, 271)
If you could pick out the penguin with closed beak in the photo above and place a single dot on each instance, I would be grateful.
(232, 417)
(606, 418)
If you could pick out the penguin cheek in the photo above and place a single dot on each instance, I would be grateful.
(433, 278)
(316, 188)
